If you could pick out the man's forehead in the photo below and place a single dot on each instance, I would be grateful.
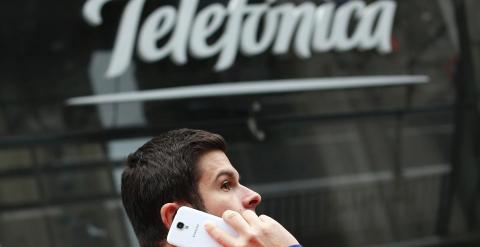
(215, 163)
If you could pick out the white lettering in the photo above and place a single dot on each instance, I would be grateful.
(322, 40)
(177, 45)
(380, 37)
(341, 23)
(151, 32)
(180, 37)
(127, 32)
(249, 43)
(290, 18)
(230, 38)
(249, 28)
(91, 11)
(207, 23)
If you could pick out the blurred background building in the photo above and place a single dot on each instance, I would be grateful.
(350, 144)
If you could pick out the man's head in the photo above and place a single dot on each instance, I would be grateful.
(180, 167)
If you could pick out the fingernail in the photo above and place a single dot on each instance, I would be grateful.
(208, 226)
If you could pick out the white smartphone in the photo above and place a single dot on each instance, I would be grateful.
(188, 228)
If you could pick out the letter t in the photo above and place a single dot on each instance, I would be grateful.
(125, 40)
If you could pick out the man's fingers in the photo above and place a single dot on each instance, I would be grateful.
(266, 219)
(236, 221)
(219, 235)
(251, 217)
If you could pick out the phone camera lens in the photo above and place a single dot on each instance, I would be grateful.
(180, 225)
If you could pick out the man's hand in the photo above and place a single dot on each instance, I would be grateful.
(253, 231)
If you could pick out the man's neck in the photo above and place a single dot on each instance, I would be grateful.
(164, 243)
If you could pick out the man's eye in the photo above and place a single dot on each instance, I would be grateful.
(226, 186)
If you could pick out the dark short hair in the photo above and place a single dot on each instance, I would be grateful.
(164, 170)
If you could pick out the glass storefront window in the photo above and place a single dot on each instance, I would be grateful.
(352, 138)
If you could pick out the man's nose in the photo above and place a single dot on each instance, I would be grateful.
(251, 199)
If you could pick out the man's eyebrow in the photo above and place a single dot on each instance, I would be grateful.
(228, 173)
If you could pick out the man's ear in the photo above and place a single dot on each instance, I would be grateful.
(167, 212)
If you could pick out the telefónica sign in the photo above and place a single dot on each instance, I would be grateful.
(305, 27)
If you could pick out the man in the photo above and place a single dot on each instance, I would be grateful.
(189, 168)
